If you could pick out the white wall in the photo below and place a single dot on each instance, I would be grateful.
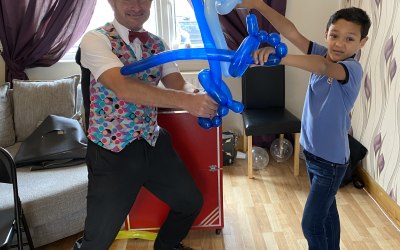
(376, 115)
(58, 70)
(310, 21)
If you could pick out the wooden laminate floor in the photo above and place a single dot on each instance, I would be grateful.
(265, 213)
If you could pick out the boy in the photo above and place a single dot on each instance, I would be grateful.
(333, 88)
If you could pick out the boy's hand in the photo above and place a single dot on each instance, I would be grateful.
(250, 4)
(260, 56)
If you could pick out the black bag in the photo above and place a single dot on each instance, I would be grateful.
(357, 153)
(57, 142)
(228, 148)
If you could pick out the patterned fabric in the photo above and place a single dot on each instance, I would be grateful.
(114, 123)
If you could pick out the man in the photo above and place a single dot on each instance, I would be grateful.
(127, 149)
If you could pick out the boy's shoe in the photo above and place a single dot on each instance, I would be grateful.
(182, 247)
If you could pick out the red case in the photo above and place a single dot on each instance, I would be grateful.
(201, 151)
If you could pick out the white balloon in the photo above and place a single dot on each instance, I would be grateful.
(223, 7)
(260, 158)
(281, 149)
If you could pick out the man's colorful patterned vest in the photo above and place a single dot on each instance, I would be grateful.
(114, 123)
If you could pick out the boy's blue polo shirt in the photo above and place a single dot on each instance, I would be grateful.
(326, 113)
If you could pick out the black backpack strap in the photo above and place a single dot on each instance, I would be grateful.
(85, 82)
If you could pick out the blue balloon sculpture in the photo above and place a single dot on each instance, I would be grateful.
(220, 59)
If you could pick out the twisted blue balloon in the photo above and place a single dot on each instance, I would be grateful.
(215, 53)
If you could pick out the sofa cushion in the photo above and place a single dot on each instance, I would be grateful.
(35, 100)
(7, 132)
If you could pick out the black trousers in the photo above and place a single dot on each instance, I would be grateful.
(115, 180)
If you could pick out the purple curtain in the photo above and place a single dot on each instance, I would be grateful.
(234, 24)
(38, 33)
(234, 28)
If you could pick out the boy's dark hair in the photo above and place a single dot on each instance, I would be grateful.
(354, 15)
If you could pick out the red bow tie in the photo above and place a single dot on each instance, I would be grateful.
(143, 36)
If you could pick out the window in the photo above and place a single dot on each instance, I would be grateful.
(187, 30)
(176, 25)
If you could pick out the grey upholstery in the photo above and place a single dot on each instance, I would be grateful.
(54, 200)
(13, 222)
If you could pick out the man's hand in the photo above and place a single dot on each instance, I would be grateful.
(201, 105)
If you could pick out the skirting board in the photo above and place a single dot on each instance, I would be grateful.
(381, 197)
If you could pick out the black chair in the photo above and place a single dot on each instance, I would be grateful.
(263, 97)
(13, 222)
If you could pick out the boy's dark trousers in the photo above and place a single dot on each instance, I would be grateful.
(320, 222)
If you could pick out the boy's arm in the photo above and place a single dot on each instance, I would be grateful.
(283, 25)
(312, 63)
(316, 64)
